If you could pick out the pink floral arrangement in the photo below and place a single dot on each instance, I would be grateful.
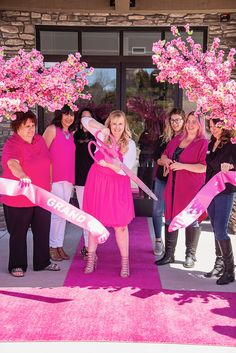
(25, 82)
(206, 76)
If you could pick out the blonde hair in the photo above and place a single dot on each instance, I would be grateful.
(201, 125)
(126, 135)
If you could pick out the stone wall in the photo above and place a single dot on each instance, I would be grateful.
(17, 31)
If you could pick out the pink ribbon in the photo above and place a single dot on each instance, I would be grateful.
(202, 200)
(56, 205)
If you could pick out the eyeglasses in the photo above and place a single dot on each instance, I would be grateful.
(176, 121)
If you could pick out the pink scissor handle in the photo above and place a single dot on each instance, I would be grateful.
(109, 152)
(90, 151)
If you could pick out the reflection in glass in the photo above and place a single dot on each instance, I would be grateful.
(187, 105)
(147, 104)
(102, 85)
(141, 82)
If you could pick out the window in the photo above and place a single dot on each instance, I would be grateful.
(58, 43)
(140, 43)
(100, 43)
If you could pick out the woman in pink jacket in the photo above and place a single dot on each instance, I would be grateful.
(184, 158)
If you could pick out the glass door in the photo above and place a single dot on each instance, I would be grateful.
(147, 104)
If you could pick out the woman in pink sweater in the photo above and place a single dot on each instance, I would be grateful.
(26, 158)
(185, 160)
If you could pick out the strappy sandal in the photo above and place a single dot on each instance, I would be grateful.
(52, 267)
(17, 272)
(84, 252)
(124, 272)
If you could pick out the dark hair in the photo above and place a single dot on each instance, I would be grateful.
(79, 115)
(66, 110)
(226, 135)
(21, 118)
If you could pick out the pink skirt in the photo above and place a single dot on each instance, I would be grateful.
(108, 197)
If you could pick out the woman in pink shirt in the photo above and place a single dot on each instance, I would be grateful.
(60, 141)
(185, 159)
(26, 158)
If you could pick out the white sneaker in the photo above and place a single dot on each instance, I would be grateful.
(159, 248)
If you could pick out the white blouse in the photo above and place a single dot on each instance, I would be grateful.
(129, 158)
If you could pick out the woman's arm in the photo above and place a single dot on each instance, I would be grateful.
(195, 168)
(114, 167)
(16, 169)
(165, 161)
(49, 135)
(129, 159)
(93, 126)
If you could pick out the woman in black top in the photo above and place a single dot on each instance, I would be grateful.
(174, 125)
(221, 156)
(83, 162)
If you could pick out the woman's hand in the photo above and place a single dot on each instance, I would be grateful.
(106, 131)
(225, 167)
(102, 163)
(176, 166)
(25, 181)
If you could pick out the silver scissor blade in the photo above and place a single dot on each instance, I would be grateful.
(138, 181)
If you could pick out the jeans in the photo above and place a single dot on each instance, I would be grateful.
(158, 207)
(219, 212)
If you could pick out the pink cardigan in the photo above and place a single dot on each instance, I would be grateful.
(187, 184)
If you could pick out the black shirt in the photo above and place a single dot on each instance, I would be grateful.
(83, 160)
(225, 154)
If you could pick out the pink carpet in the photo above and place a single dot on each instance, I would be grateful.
(93, 308)
(143, 273)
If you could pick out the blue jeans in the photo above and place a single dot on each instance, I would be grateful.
(219, 212)
(158, 207)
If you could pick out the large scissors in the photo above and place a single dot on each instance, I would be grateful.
(111, 155)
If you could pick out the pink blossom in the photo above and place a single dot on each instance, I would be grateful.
(26, 82)
(204, 75)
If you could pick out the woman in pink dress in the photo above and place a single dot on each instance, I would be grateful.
(107, 193)
(185, 159)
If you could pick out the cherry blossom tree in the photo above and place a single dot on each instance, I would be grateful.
(25, 82)
(206, 76)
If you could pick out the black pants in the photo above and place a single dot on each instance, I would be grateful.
(18, 220)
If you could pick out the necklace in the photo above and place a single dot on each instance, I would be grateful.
(67, 135)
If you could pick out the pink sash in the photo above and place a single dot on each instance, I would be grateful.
(55, 204)
(202, 200)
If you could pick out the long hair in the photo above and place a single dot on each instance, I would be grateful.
(201, 125)
(80, 134)
(225, 136)
(66, 110)
(126, 135)
(169, 132)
